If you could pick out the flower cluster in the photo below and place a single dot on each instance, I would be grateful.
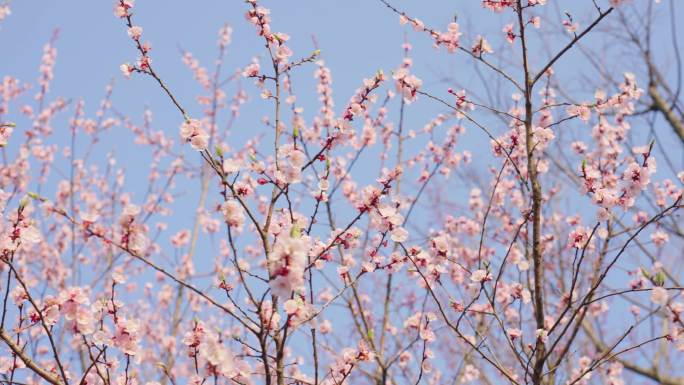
(191, 131)
(481, 46)
(132, 233)
(76, 310)
(260, 18)
(287, 262)
(498, 5)
(290, 166)
(17, 229)
(448, 39)
(357, 104)
(233, 214)
(122, 7)
(208, 349)
(407, 84)
(348, 358)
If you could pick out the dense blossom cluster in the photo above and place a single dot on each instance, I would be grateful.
(191, 131)
(407, 84)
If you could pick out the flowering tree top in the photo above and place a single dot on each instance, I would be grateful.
(528, 230)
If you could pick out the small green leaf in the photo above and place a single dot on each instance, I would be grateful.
(645, 273)
(295, 231)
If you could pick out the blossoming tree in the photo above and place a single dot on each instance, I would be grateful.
(350, 247)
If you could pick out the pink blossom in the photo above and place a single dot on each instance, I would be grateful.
(536, 21)
(481, 46)
(542, 335)
(127, 70)
(497, 5)
(579, 237)
(231, 165)
(514, 333)
(659, 296)
(325, 327)
(233, 213)
(121, 7)
(399, 234)
(449, 39)
(218, 356)
(126, 336)
(135, 32)
(480, 276)
(6, 130)
(570, 27)
(286, 264)
(181, 238)
(510, 35)
(582, 111)
(4, 11)
(659, 238)
(30, 234)
(191, 131)
(441, 243)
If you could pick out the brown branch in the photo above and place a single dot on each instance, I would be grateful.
(661, 105)
(630, 365)
(570, 45)
(47, 376)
